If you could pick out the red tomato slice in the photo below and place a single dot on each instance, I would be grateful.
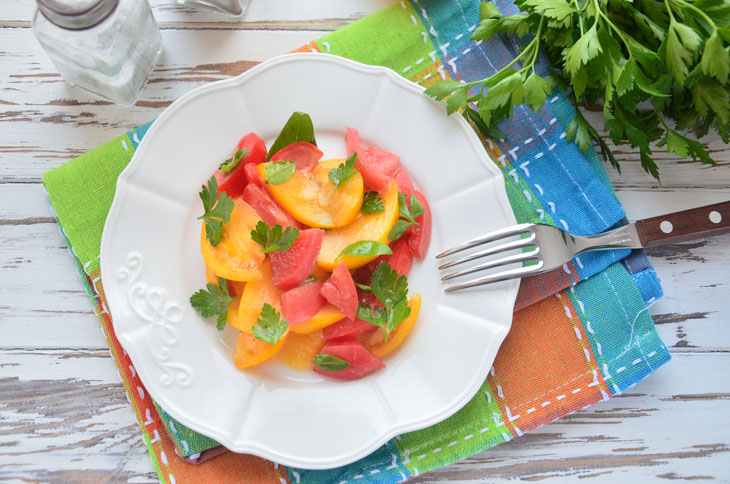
(352, 140)
(267, 208)
(401, 259)
(291, 267)
(346, 328)
(381, 161)
(374, 173)
(304, 154)
(361, 361)
(301, 303)
(340, 291)
(233, 182)
(405, 186)
(419, 236)
(252, 175)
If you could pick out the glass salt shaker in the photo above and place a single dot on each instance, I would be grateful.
(108, 47)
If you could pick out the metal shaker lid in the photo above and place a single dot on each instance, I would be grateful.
(76, 14)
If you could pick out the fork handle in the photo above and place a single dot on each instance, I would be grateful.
(696, 223)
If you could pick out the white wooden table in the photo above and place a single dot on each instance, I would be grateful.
(64, 417)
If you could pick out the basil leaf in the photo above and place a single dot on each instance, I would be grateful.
(299, 127)
(367, 248)
(277, 172)
(329, 363)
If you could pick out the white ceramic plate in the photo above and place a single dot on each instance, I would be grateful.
(151, 264)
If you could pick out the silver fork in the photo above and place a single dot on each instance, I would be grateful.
(549, 247)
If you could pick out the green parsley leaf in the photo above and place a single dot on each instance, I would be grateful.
(277, 172)
(372, 203)
(715, 59)
(457, 100)
(442, 89)
(557, 9)
(213, 301)
(681, 46)
(298, 128)
(327, 362)
(585, 49)
(391, 289)
(409, 214)
(536, 91)
(685, 147)
(231, 163)
(270, 326)
(217, 209)
(344, 171)
(273, 238)
(415, 210)
(711, 96)
(366, 248)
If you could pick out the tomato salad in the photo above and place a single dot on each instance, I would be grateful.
(309, 258)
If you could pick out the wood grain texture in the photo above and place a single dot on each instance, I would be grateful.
(64, 417)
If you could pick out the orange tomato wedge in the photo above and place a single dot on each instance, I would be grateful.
(249, 350)
(372, 226)
(324, 317)
(299, 349)
(236, 257)
(312, 198)
(379, 347)
(254, 295)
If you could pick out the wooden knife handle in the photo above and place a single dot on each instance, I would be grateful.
(696, 223)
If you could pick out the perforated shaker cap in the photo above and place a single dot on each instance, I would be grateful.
(76, 14)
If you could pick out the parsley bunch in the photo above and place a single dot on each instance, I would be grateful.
(659, 67)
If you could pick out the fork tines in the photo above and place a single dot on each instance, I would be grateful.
(521, 243)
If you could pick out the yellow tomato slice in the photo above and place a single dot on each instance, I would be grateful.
(236, 257)
(324, 317)
(311, 198)
(299, 349)
(371, 226)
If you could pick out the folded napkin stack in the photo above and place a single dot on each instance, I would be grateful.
(580, 334)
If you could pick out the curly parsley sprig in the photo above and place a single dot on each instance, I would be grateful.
(218, 208)
(274, 238)
(391, 289)
(213, 300)
(658, 67)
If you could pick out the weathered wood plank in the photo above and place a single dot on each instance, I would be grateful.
(64, 419)
(309, 15)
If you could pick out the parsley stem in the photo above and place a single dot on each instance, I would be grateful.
(608, 21)
(531, 49)
(699, 11)
(669, 10)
